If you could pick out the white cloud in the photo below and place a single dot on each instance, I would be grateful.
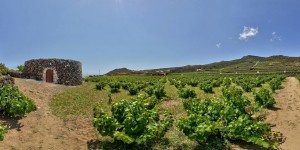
(248, 32)
(219, 45)
(275, 37)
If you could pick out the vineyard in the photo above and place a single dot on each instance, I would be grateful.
(178, 111)
(218, 111)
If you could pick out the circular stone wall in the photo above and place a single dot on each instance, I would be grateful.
(63, 71)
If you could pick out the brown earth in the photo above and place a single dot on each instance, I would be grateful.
(41, 129)
(286, 115)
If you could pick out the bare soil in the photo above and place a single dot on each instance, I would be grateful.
(41, 129)
(286, 115)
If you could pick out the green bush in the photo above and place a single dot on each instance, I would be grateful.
(206, 87)
(132, 122)
(264, 98)
(159, 91)
(275, 84)
(125, 85)
(149, 90)
(213, 123)
(13, 103)
(217, 83)
(133, 90)
(179, 84)
(100, 85)
(193, 82)
(226, 82)
(247, 86)
(114, 86)
(187, 93)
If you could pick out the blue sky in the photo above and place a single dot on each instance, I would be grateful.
(145, 34)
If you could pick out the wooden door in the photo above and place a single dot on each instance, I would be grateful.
(49, 76)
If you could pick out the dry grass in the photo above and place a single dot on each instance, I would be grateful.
(177, 139)
(171, 91)
(82, 100)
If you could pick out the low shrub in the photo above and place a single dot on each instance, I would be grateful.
(187, 93)
(264, 98)
(13, 103)
(132, 122)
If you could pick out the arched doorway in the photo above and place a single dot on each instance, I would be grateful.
(49, 76)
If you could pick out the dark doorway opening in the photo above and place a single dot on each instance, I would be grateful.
(49, 76)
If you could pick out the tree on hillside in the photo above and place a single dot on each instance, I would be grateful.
(3, 69)
(21, 68)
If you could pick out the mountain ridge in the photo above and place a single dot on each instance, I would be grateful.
(248, 63)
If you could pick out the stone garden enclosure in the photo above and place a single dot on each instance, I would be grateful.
(59, 71)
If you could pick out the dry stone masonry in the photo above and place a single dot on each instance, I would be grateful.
(63, 71)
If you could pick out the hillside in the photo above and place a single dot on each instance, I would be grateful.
(250, 63)
(120, 71)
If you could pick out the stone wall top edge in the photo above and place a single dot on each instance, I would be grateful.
(51, 59)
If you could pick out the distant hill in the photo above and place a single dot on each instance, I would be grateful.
(250, 63)
(120, 71)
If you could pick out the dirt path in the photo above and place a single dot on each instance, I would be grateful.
(41, 129)
(287, 116)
